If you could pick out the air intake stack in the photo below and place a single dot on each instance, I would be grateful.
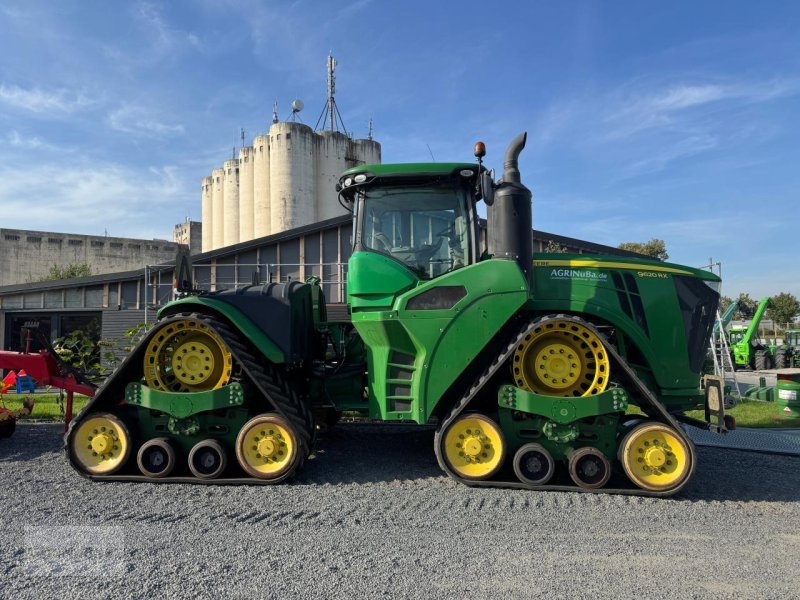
(510, 234)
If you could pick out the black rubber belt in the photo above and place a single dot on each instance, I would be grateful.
(264, 376)
(500, 361)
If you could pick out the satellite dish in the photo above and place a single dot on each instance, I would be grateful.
(297, 105)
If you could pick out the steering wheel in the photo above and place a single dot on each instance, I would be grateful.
(426, 251)
(384, 241)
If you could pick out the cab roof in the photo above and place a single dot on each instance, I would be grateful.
(404, 169)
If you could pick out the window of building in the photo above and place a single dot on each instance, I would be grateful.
(75, 242)
(12, 238)
(34, 240)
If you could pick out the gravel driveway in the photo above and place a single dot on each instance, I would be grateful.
(372, 515)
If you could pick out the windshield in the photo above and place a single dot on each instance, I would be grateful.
(736, 336)
(426, 228)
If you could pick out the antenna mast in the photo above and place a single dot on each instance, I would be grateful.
(330, 114)
(275, 112)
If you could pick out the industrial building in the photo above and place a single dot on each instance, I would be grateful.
(189, 233)
(27, 256)
(285, 179)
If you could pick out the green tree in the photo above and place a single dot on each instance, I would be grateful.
(724, 303)
(655, 248)
(747, 307)
(783, 308)
(555, 248)
(68, 271)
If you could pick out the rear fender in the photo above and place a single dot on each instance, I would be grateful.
(231, 314)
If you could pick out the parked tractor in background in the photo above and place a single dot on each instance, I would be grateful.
(788, 354)
(526, 363)
(747, 350)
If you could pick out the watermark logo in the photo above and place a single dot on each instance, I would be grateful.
(74, 551)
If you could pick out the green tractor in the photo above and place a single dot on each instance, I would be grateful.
(748, 352)
(526, 363)
(788, 354)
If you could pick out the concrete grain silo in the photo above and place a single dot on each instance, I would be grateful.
(331, 160)
(367, 151)
(261, 187)
(217, 208)
(292, 180)
(246, 224)
(231, 203)
(208, 218)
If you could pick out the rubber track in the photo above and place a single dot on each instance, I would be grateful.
(266, 376)
(501, 360)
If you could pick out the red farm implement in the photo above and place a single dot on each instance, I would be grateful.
(47, 369)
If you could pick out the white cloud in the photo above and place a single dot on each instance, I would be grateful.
(44, 101)
(683, 148)
(16, 140)
(89, 198)
(137, 120)
(166, 37)
(644, 109)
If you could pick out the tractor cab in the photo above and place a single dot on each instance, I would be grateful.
(736, 335)
(421, 215)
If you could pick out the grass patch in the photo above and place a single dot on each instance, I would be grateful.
(47, 407)
(748, 413)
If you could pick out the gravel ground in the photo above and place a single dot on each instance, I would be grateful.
(372, 515)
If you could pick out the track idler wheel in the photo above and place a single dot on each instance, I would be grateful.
(589, 468)
(474, 447)
(156, 458)
(267, 447)
(561, 358)
(654, 457)
(187, 355)
(533, 464)
(101, 444)
(207, 459)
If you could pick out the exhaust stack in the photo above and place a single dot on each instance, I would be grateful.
(510, 226)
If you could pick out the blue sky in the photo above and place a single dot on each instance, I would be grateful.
(676, 120)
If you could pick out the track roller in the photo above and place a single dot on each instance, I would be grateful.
(589, 468)
(654, 457)
(156, 458)
(207, 459)
(473, 446)
(101, 445)
(533, 464)
(267, 447)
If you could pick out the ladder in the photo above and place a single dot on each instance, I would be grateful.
(721, 351)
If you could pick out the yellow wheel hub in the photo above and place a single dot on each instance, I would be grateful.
(187, 356)
(101, 444)
(654, 457)
(474, 446)
(561, 358)
(266, 447)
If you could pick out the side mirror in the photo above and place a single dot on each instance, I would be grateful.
(487, 188)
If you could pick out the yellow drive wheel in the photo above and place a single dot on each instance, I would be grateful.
(101, 444)
(267, 447)
(187, 356)
(654, 457)
(561, 358)
(474, 446)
